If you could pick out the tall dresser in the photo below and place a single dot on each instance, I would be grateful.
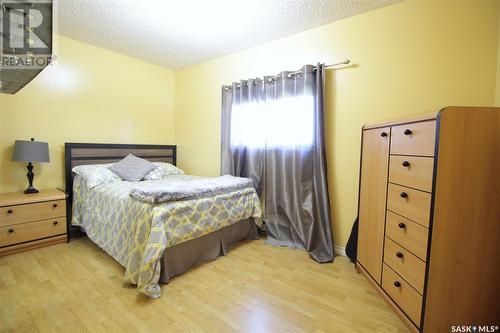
(429, 217)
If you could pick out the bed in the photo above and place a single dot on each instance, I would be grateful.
(154, 241)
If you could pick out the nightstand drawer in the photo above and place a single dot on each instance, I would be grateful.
(31, 231)
(10, 215)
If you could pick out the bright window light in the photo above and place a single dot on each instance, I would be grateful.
(248, 125)
(283, 123)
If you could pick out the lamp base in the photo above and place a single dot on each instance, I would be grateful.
(30, 175)
(30, 190)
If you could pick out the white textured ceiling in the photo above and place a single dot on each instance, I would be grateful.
(179, 33)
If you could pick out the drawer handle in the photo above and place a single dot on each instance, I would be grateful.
(10, 211)
(404, 195)
(54, 223)
(408, 132)
(383, 134)
(397, 284)
(402, 225)
(11, 231)
(54, 206)
(399, 255)
(406, 164)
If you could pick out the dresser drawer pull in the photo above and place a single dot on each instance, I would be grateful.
(402, 225)
(408, 132)
(55, 223)
(383, 134)
(54, 206)
(11, 231)
(10, 211)
(404, 195)
(397, 284)
(399, 255)
(406, 164)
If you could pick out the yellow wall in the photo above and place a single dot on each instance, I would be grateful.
(497, 96)
(89, 95)
(412, 57)
(1, 131)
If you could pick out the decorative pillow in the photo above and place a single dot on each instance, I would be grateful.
(132, 168)
(162, 170)
(156, 174)
(95, 174)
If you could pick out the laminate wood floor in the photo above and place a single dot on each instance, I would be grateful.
(77, 287)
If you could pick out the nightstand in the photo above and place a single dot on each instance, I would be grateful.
(29, 221)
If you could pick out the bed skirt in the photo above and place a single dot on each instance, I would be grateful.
(178, 259)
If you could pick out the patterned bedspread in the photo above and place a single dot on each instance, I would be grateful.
(136, 233)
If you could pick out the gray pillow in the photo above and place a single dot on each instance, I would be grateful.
(132, 168)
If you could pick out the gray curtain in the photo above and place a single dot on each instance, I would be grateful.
(285, 156)
(239, 160)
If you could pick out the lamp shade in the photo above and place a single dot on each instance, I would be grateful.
(31, 151)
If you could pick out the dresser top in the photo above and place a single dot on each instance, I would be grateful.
(402, 120)
(19, 198)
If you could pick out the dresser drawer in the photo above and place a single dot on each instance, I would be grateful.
(408, 299)
(33, 230)
(412, 204)
(410, 235)
(412, 171)
(407, 265)
(10, 215)
(414, 139)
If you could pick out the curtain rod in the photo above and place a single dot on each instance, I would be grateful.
(345, 62)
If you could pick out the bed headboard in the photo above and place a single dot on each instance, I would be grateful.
(100, 153)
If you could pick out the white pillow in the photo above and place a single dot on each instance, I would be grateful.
(163, 170)
(95, 174)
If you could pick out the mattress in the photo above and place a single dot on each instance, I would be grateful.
(136, 233)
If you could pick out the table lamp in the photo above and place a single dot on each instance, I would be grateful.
(30, 151)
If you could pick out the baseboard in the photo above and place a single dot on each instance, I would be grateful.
(339, 250)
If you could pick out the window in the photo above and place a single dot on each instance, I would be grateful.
(286, 122)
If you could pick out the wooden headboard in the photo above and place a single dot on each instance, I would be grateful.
(100, 153)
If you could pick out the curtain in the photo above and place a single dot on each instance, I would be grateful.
(243, 160)
(272, 132)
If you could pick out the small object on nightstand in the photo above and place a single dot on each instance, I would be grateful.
(30, 151)
(28, 222)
